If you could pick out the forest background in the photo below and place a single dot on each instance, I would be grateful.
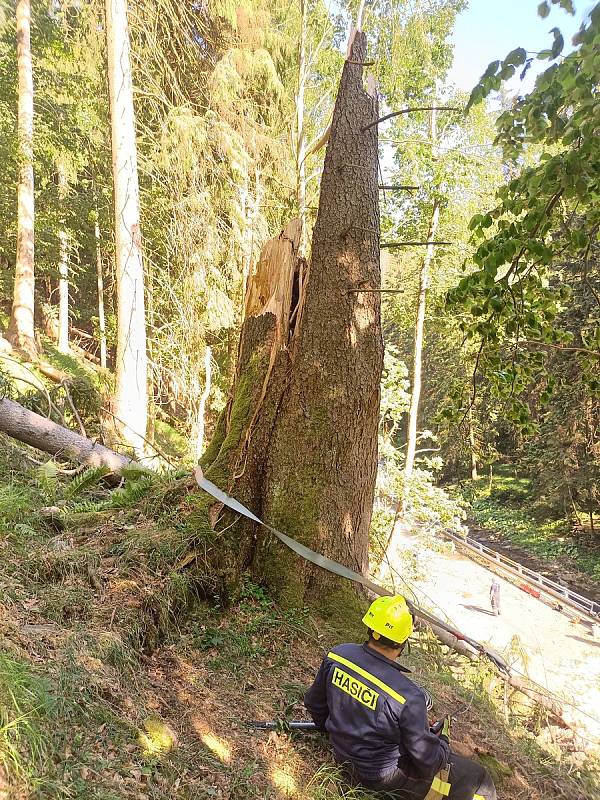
(231, 101)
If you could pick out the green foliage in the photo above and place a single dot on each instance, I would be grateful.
(25, 702)
(540, 241)
(83, 481)
(510, 508)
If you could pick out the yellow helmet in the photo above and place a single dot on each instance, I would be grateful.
(389, 617)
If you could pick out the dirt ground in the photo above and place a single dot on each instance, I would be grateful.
(560, 654)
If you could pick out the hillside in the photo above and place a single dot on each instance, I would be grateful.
(119, 680)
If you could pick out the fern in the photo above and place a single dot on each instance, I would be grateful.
(129, 494)
(134, 472)
(86, 479)
(88, 507)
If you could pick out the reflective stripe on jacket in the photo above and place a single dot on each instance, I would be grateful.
(375, 716)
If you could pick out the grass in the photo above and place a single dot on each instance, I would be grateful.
(120, 677)
(508, 507)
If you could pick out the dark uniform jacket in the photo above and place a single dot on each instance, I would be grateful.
(375, 716)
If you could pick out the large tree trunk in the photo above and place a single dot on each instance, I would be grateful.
(20, 331)
(30, 428)
(298, 444)
(131, 393)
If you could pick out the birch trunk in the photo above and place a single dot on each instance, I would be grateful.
(413, 413)
(131, 393)
(415, 397)
(21, 333)
(472, 446)
(100, 283)
(63, 268)
(301, 133)
(201, 421)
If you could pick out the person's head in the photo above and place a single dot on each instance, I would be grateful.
(389, 623)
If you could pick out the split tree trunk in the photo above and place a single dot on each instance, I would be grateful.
(21, 333)
(131, 393)
(30, 428)
(298, 441)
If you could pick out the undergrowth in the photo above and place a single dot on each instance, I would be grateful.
(508, 506)
(123, 674)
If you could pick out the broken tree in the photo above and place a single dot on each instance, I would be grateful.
(297, 442)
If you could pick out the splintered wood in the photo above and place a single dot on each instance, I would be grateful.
(270, 285)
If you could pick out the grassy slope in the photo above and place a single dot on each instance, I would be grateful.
(509, 509)
(117, 680)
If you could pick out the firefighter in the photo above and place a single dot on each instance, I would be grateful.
(377, 721)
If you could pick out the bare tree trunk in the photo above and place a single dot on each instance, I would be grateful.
(305, 404)
(30, 428)
(199, 445)
(20, 331)
(472, 446)
(301, 132)
(63, 267)
(418, 352)
(359, 15)
(100, 283)
(413, 413)
(415, 397)
(131, 393)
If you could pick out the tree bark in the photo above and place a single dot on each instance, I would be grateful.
(131, 393)
(298, 443)
(20, 331)
(100, 283)
(63, 268)
(30, 428)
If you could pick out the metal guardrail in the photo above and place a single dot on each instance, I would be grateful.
(590, 608)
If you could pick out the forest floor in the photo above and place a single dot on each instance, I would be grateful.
(117, 680)
(559, 653)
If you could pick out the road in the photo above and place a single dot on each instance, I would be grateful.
(557, 653)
